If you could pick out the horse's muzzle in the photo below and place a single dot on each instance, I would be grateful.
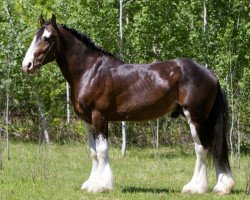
(29, 68)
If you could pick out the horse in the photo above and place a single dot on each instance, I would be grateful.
(105, 89)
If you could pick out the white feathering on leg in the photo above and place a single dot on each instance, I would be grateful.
(199, 183)
(104, 177)
(225, 182)
(101, 177)
(92, 145)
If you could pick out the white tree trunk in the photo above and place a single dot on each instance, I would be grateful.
(120, 30)
(233, 103)
(205, 21)
(7, 124)
(44, 123)
(7, 91)
(205, 16)
(238, 121)
(124, 140)
(239, 139)
(43, 116)
(157, 134)
(1, 158)
(121, 56)
(232, 108)
(67, 101)
(7, 109)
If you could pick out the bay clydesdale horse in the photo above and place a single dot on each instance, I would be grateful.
(104, 89)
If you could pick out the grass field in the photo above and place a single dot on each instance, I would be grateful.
(57, 172)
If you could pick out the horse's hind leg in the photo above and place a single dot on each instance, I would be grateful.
(198, 183)
(225, 182)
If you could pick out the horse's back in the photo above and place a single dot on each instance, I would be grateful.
(145, 91)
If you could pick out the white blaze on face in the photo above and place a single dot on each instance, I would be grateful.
(29, 57)
(46, 34)
(28, 62)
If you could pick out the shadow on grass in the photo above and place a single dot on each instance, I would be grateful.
(239, 191)
(147, 190)
(163, 190)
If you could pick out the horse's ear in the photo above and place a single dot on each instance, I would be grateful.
(53, 20)
(41, 20)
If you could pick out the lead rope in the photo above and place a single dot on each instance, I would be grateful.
(46, 54)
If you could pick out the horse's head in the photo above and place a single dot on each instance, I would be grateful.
(44, 46)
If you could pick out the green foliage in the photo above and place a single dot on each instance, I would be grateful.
(152, 30)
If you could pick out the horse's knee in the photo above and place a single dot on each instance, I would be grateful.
(101, 147)
(200, 151)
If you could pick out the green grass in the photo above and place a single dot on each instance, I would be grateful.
(57, 172)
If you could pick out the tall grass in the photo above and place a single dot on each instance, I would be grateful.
(57, 172)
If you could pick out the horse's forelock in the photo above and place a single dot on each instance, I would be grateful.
(40, 33)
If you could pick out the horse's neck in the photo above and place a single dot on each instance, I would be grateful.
(76, 58)
(63, 65)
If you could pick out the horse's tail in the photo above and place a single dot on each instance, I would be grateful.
(217, 125)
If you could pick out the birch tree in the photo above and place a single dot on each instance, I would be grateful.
(42, 114)
(1, 149)
(7, 111)
(67, 102)
(205, 23)
(233, 102)
(7, 90)
(121, 56)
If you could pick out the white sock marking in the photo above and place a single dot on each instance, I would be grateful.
(29, 57)
(92, 145)
(225, 182)
(101, 177)
(199, 183)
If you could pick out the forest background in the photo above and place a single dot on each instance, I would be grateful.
(213, 33)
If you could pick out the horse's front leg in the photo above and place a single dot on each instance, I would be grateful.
(92, 145)
(101, 177)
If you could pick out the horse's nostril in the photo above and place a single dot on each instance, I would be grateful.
(29, 65)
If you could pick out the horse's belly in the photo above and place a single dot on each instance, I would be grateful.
(146, 108)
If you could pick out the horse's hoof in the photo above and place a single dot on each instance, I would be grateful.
(99, 187)
(195, 188)
(85, 185)
(224, 188)
(95, 185)
(225, 184)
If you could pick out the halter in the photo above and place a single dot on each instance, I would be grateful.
(57, 39)
(47, 52)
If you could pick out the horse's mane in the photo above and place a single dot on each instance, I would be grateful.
(86, 40)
